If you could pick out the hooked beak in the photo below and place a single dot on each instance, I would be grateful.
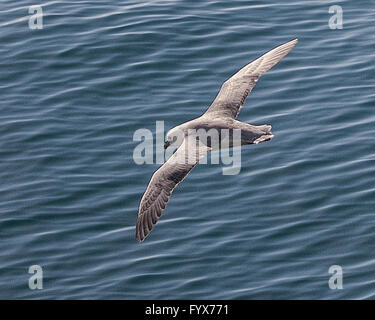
(166, 144)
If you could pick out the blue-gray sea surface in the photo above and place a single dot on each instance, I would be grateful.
(73, 94)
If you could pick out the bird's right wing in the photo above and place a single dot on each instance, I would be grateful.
(163, 182)
(234, 91)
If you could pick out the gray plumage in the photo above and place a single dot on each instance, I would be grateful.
(220, 115)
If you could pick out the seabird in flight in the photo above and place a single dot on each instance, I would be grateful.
(221, 114)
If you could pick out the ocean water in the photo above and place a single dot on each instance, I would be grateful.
(73, 94)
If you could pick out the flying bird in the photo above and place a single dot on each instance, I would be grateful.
(221, 114)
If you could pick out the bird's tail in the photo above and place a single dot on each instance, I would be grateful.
(265, 133)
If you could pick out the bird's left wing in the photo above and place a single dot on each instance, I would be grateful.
(163, 182)
(234, 91)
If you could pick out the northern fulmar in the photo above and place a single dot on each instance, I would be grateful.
(221, 114)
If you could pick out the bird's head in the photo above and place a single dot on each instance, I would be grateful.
(174, 137)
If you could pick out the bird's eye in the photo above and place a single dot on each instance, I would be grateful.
(174, 139)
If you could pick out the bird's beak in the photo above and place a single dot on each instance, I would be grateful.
(166, 144)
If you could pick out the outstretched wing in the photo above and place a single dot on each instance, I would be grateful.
(163, 182)
(234, 91)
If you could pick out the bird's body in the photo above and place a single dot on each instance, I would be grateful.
(249, 133)
(220, 120)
